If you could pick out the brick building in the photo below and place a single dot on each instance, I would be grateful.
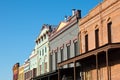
(99, 43)
(15, 71)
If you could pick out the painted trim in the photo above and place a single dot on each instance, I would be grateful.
(62, 47)
(75, 39)
(56, 50)
(68, 43)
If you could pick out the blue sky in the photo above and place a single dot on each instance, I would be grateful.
(20, 24)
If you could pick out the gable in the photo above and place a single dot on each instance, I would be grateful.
(61, 25)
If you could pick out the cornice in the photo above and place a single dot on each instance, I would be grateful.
(67, 26)
(91, 17)
(32, 56)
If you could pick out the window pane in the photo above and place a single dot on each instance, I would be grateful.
(61, 51)
(97, 38)
(86, 43)
(68, 52)
(109, 32)
(76, 48)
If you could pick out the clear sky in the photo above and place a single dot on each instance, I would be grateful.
(20, 24)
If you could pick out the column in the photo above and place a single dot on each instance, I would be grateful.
(74, 70)
(107, 65)
(58, 73)
(97, 65)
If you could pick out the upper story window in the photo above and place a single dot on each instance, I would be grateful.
(86, 43)
(68, 51)
(45, 49)
(76, 48)
(97, 38)
(56, 58)
(42, 52)
(109, 25)
(39, 40)
(44, 36)
(62, 54)
(51, 61)
(34, 72)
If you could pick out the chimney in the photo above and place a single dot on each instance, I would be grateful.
(65, 18)
(78, 12)
(73, 12)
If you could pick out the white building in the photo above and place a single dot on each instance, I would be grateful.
(33, 63)
(42, 48)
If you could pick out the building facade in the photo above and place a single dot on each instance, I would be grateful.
(64, 44)
(99, 43)
(85, 48)
(27, 72)
(42, 48)
(33, 63)
(21, 73)
(15, 71)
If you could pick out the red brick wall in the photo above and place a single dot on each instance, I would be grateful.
(95, 20)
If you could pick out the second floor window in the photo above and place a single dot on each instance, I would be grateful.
(109, 25)
(45, 49)
(61, 52)
(86, 43)
(51, 61)
(44, 36)
(34, 72)
(68, 52)
(56, 59)
(97, 38)
(42, 52)
(76, 48)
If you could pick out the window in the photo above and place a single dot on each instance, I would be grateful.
(51, 61)
(45, 49)
(61, 51)
(37, 42)
(76, 48)
(109, 31)
(42, 52)
(68, 52)
(44, 36)
(97, 38)
(34, 72)
(86, 43)
(56, 60)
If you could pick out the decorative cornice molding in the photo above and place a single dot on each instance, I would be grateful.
(67, 26)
